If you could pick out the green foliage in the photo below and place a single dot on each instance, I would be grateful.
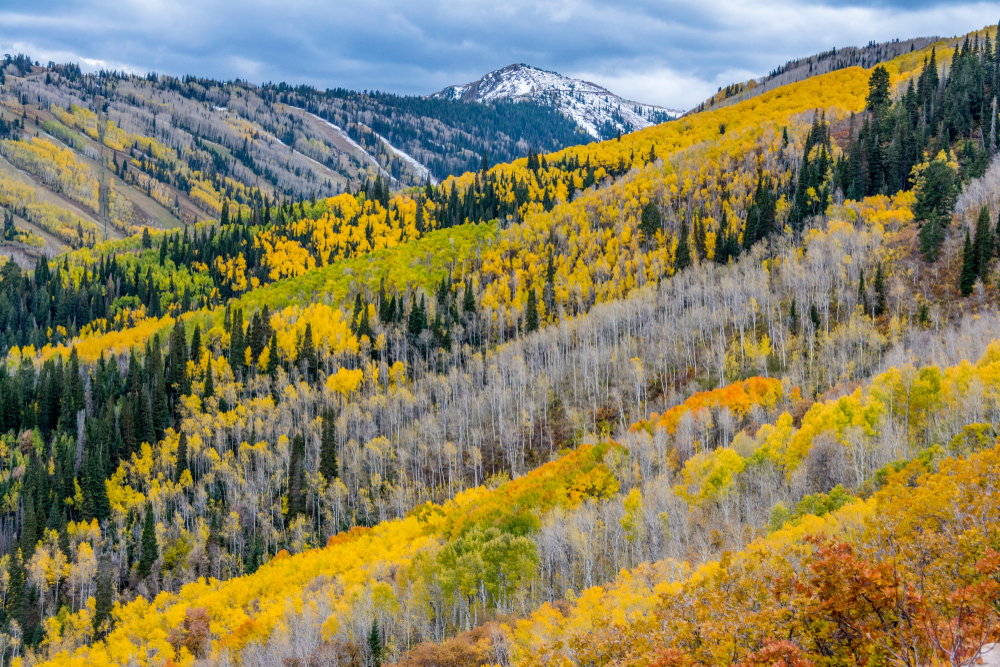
(937, 192)
(150, 550)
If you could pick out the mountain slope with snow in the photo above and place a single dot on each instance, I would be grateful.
(601, 113)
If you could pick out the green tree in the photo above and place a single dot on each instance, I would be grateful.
(150, 551)
(967, 278)
(683, 259)
(650, 221)
(879, 97)
(931, 237)
(937, 191)
(375, 644)
(862, 292)
(982, 245)
(881, 302)
(328, 447)
(182, 458)
(469, 298)
(531, 312)
(104, 600)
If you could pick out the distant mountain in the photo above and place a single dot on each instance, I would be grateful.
(598, 111)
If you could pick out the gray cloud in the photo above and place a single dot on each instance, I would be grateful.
(672, 53)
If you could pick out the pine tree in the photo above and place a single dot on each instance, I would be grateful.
(296, 478)
(375, 644)
(881, 303)
(931, 238)
(650, 221)
(328, 447)
(879, 97)
(967, 279)
(182, 459)
(104, 600)
(253, 560)
(195, 354)
(683, 259)
(150, 551)
(469, 298)
(308, 359)
(862, 292)
(272, 356)
(549, 291)
(531, 312)
(982, 244)
(209, 384)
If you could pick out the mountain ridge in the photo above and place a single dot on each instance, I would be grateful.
(578, 99)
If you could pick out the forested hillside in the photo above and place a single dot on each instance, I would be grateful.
(724, 390)
(179, 149)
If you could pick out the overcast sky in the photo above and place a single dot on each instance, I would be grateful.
(668, 52)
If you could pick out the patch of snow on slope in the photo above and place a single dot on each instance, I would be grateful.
(423, 172)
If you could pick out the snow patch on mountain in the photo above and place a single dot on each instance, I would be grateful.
(423, 173)
(601, 113)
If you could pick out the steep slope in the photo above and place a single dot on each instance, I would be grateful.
(768, 321)
(598, 111)
(822, 63)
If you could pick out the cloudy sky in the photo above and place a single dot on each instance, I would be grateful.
(668, 52)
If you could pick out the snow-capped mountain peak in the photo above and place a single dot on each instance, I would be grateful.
(597, 110)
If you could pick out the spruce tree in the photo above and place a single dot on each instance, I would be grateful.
(531, 312)
(328, 447)
(375, 644)
(862, 292)
(967, 278)
(683, 259)
(931, 237)
(209, 391)
(469, 298)
(253, 560)
(650, 221)
(296, 478)
(104, 600)
(272, 356)
(982, 245)
(182, 458)
(195, 354)
(150, 551)
(881, 303)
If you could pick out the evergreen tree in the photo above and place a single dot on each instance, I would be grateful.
(650, 221)
(297, 478)
(683, 259)
(182, 459)
(982, 245)
(931, 237)
(549, 291)
(881, 303)
(272, 356)
(150, 551)
(469, 298)
(967, 278)
(104, 600)
(308, 359)
(196, 344)
(862, 292)
(531, 312)
(209, 391)
(879, 97)
(375, 644)
(328, 447)
(936, 193)
(254, 559)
